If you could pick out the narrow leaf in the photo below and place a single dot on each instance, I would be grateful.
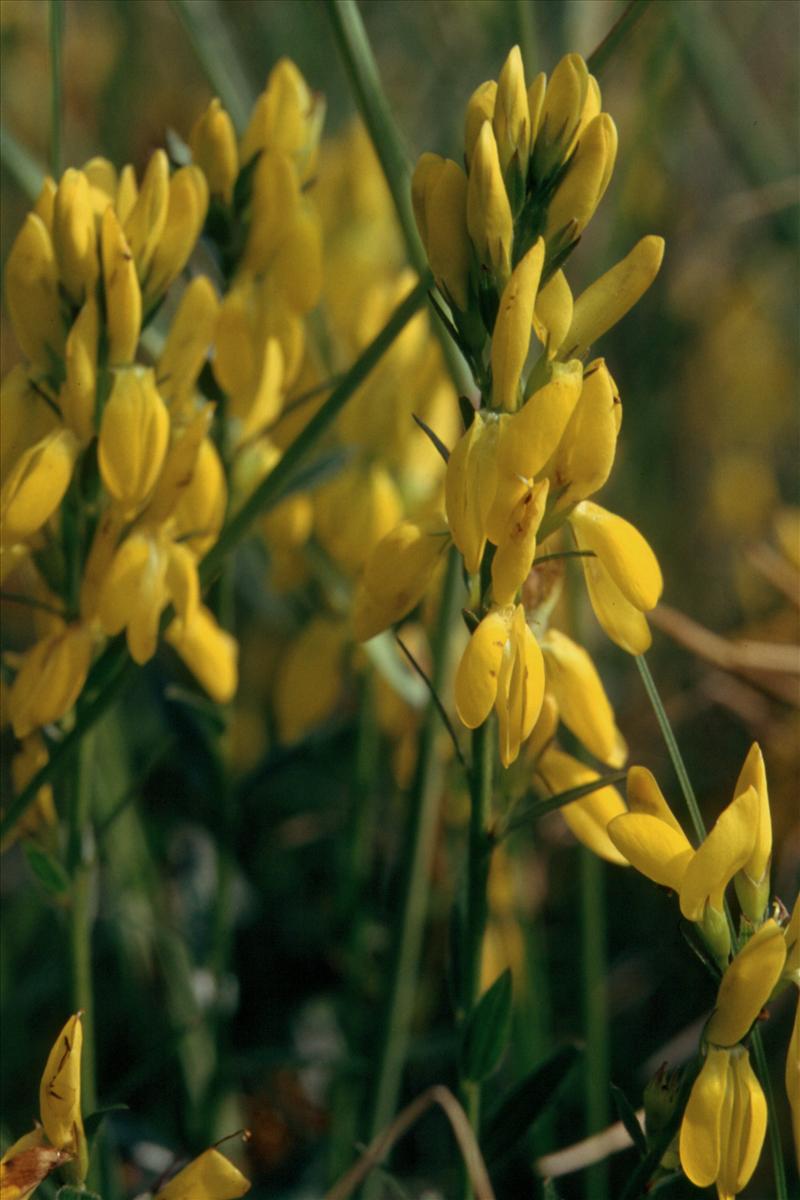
(487, 1030)
(627, 1115)
(49, 872)
(520, 1107)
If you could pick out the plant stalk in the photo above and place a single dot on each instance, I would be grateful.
(595, 1011)
(56, 13)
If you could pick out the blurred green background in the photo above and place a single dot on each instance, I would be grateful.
(208, 1018)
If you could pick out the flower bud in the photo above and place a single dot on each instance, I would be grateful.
(447, 238)
(25, 418)
(512, 331)
(480, 108)
(31, 285)
(489, 219)
(297, 266)
(623, 621)
(747, 985)
(78, 396)
(287, 118)
(660, 1102)
(552, 315)
(213, 145)
(74, 235)
(536, 93)
(60, 1092)
(179, 463)
(586, 180)
(511, 118)
(190, 336)
(623, 552)
(50, 679)
(145, 223)
(585, 454)
(470, 486)
(46, 203)
(752, 882)
(199, 513)
(134, 433)
(563, 104)
(582, 702)
(186, 213)
(122, 292)
(426, 172)
(36, 486)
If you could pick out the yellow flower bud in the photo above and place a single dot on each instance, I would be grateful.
(186, 213)
(562, 108)
(102, 177)
(179, 463)
(74, 235)
(210, 1177)
(46, 203)
(31, 285)
(623, 552)
(25, 418)
(480, 108)
(723, 853)
(589, 817)
(511, 118)
(276, 198)
(476, 677)
(127, 192)
(512, 331)
(582, 702)
(585, 455)
(586, 180)
(552, 315)
(489, 219)
(77, 398)
(396, 575)
(213, 145)
(49, 680)
(608, 299)
(122, 293)
(199, 513)
(134, 434)
(747, 985)
(513, 559)
(259, 405)
(447, 238)
(210, 653)
(190, 335)
(470, 486)
(297, 266)
(536, 93)
(426, 172)
(60, 1089)
(145, 223)
(752, 883)
(36, 486)
(287, 117)
(649, 837)
(724, 1124)
(531, 435)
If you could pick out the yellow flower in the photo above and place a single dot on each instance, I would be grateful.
(516, 547)
(309, 681)
(792, 1079)
(287, 117)
(511, 116)
(354, 511)
(489, 219)
(78, 395)
(648, 836)
(123, 297)
(608, 299)
(725, 1123)
(186, 212)
(480, 108)
(585, 182)
(210, 653)
(75, 236)
(60, 1093)
(584, 708)
(213, 145)
(584, 456)
(747, 985)
(470, 486)
(727, 848)
(502, 667)
(212, 1176)
(752, 882)
(530, 436)
(144, 225)
(440, 203)
(191, 333)
(36, 486)
(50, 679)
(590, 816)
(562, 108)
(396, 575)
(31, 287)
(552, 315)
(134, 434)
(512, 331)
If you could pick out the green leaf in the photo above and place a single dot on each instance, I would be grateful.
(522, 1104)
(627, 1115)
(487, 1030)
(92, 1123)
(49, 872)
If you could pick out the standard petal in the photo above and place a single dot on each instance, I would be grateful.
(700, 1133)
(585, 710)
(645, 796)
(655, 849)
(478, 671)
(747, 984)
(723, 853)
(624, 624)
(622, 550)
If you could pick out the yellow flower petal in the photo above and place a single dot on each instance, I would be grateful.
(589, 817)
(396, 575)
(36, 486)
(792, 1079)
(587, 177)
(511, 116)
(531, 435)
(144, 225)
(746, 985)
(60, 1089)
(213, 145)
(470, 486)
(134, 434)
(513, 560)
(50, 679)
(645, 796)
(479, 669)
(210, 653)
(426, 172)
(480, 108)
(190, 335)
(624, 624)
(123, 297)
(212, 1176)
(754, 774)
(653, 848)
(585, 710)
(700, 1135)
(585, 455)
(622, 550)
(77, 398)
(447, 243)
(723, 853)
(489, 219)
(31, 290)
(608, 299)
(186, 212)
(743, 1136)
(552, 315)
(75, 236)
(520, 688)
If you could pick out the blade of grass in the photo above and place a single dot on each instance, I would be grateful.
(362, 70)
(778, 1166)
(212, 43)
(114, 667)
(616, 35)
(56, 23)
(595, 1011)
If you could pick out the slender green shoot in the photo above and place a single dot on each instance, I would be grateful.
(56, 14)
(616, 35)
(595, 1010)
(26, 170)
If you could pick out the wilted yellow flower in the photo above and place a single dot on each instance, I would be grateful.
(25, 1164)
(50, 678)
(212, 1176)
(134, 434)
(725, 1122)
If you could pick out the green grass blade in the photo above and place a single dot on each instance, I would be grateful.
(617, 34)
(56, 22)
(23, 167)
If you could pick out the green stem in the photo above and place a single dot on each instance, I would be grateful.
(362, 70)
(26, 171)
(211, 41)
(56, 91)
(778, 1166)
(417, 860)
(615, 36)
(595, 1010)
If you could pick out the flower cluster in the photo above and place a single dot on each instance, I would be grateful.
(543, 438)
(60, 1140)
